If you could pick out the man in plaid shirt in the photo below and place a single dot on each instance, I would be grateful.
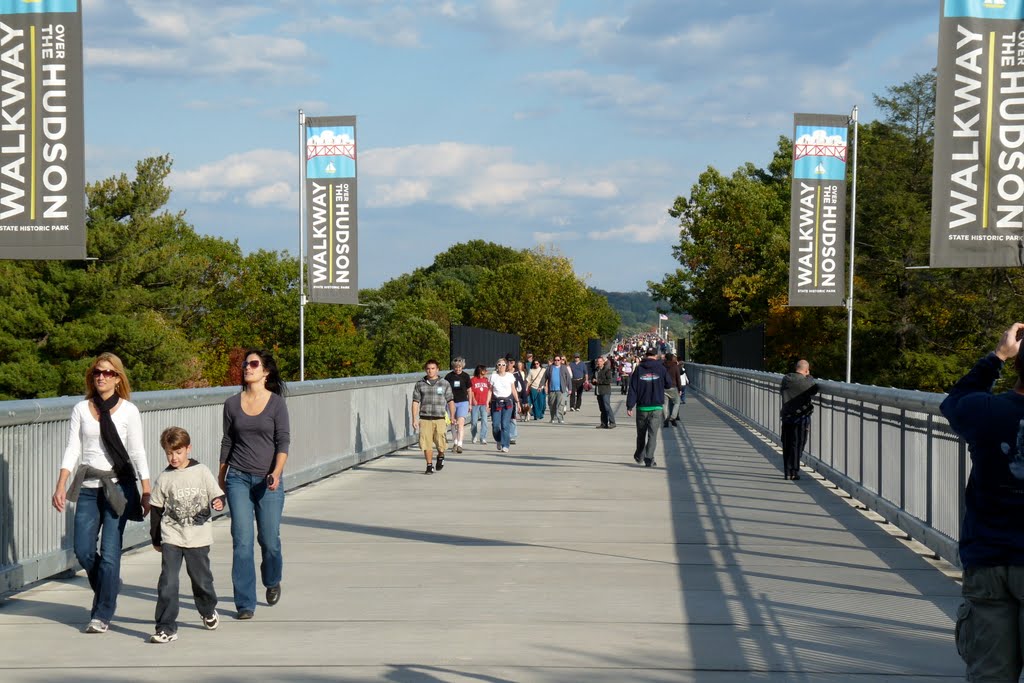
(432, 399)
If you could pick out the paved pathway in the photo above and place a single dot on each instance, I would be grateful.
(561, 561)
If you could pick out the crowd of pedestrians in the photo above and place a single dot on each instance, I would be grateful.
(105, 463)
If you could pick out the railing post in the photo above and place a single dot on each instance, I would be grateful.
(930, 452)
(903, 459)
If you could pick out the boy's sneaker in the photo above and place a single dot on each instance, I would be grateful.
(504, 450)
(163, 637)
(483, 441)
(211, 621)
(430, 469)
(458, 448)
(439, 463)
(96, 626)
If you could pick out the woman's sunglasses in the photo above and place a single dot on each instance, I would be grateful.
(251, 363)
(109, 374)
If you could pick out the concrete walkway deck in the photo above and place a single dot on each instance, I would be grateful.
(561, 561)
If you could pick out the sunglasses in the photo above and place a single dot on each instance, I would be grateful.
(108, 374)
(251, 364)
(501, 365)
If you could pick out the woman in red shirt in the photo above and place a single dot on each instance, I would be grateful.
(479, 399)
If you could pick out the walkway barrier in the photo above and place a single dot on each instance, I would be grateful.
(335, 424)
(891, 449)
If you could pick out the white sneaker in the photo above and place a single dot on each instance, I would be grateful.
(96, 626)
(483, 441)
(504, 450)
(211, 621)
(163, 637)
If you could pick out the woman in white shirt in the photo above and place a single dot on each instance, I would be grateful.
(105, 450)
(504, 400)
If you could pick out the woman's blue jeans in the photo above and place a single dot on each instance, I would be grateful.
(478, 412)
(96, 521)
(501, 423)
(249, 497)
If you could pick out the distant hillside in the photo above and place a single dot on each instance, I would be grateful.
(639, 312)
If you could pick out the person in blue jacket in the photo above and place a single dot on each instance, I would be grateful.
(647, 387)
(988, 624)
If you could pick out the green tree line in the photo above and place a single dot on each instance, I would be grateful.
(180, 308)
(913, 328)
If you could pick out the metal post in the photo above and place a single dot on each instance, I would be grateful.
(853, 242)
(302, 249)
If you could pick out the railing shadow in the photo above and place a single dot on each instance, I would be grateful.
(771, 621)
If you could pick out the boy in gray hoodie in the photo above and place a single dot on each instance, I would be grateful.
(180, 527)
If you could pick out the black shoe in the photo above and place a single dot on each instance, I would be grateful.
(244, 614)
(439, 463)
(274, 595)
(649, 463)
(430, 469)
(667, 424)
(796, 475)
(675, 422)
(458, 449)
(636, 456)
(601, 427)
(611, 426)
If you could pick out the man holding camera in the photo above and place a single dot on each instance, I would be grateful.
(988, 625)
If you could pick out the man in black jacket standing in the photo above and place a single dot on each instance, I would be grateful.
(797, 389)
(647, 387)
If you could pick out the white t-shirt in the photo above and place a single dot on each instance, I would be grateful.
(502, 386)
(85, 446)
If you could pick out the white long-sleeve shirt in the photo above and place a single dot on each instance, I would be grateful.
(85, 445)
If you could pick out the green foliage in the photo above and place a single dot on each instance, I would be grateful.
(561, 314)
(180, 308)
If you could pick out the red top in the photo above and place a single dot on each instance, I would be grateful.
(479, 386)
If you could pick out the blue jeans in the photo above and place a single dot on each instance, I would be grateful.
(248, 496)
(604, 402)
(478, 413)
(92, 516)
(501, 423)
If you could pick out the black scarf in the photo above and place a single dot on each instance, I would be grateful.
(112, 440)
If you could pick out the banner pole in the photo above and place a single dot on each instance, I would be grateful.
(302, 249)
(853, 233)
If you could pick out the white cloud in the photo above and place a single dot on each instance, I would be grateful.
(659, 227)
(400, 193)
(259, 178)
(178, 38)
(556, 237)
(471, 177)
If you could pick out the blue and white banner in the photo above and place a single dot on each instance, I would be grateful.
(817, 234)
(42, 131)
(978, 177)
(332, 256)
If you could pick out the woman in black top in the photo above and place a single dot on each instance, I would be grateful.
(458, 378)
(252, 457)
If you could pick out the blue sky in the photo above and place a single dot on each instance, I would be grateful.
(571, 124)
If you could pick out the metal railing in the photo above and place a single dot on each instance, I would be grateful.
(335, 424)
(891, 449)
